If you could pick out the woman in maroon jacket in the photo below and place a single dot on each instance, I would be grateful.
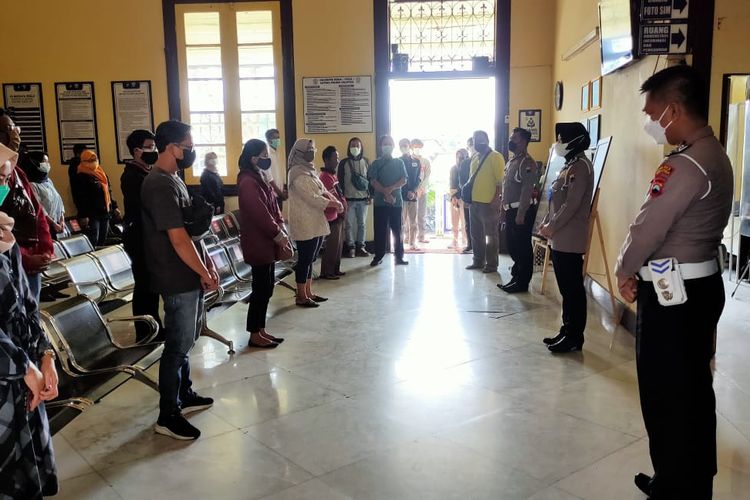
(262, 237)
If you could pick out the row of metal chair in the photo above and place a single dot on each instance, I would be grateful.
(65, 248)
(91, 362)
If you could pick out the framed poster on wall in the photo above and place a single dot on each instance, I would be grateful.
(337, 104)
(531, 120)
(25, 105)
(76, 117)
(133, 109)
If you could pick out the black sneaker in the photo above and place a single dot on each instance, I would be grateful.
(176, 427)
(195, 403)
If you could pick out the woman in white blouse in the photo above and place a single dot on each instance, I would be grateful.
(308, 199)
(36, 166)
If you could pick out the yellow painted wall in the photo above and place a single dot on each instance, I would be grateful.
(531, 59)
(333, 38)
(85, 40)
(633, 156)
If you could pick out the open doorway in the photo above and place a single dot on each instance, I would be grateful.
(443, 113)
(736, 136)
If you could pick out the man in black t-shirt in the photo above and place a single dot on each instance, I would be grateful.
(464, 174)
(180, 272)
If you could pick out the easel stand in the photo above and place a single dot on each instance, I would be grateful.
(594, 223)
(594, 220)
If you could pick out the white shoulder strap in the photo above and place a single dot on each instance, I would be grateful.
(703, 170)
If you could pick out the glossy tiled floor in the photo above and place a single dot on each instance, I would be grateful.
(422, 382)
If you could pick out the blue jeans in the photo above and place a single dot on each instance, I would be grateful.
(183, 320)
(355, 223)
(97, 231)
(35, 285)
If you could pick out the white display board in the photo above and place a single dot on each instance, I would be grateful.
(76, 117)
(24, 103)
(133, 110)
(338, 104)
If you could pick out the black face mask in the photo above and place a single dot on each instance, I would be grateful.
(149, 157)
(512, 147)
(187, 160)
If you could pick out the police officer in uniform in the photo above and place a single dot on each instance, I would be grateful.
(566, 229)
(669, 264)
(518, 210)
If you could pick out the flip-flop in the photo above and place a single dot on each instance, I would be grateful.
(318, 298)
(307, 303)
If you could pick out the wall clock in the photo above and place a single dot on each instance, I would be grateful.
(559, 95)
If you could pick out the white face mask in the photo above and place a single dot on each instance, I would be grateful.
(404, 150)
(211, 163)
(563, 148)
(45, 167)
(417, 152)
(354, 150)
(655, 129)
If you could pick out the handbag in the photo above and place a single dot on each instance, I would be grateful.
(20, 207)
(284, 253)
(198, 216)
(359, 181)
(467, 188)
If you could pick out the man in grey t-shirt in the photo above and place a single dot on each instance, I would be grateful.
(180, 273)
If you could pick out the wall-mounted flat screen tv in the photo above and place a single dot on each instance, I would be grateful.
(617, 20)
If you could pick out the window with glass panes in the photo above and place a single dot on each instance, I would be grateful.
(229, 83)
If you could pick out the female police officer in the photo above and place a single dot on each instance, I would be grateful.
(566, 228)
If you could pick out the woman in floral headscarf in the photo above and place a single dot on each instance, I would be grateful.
(308, 200)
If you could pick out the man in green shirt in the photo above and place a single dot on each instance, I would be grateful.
(387, 175)
(487, 167)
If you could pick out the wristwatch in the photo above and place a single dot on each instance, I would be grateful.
(51, 353)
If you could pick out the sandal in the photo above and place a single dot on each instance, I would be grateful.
(318, 298)
(306, 303)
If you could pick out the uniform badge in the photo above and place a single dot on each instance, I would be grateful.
(660, 179)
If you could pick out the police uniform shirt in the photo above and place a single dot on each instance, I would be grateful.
(518, 182)
(570, 206)
(686, 208)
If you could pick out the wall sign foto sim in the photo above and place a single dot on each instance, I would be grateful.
(586, 97)
(596, 93)
(531, 120)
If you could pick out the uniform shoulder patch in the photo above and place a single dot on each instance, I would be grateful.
(660, 179)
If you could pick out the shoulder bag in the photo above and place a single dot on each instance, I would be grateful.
(467, 188)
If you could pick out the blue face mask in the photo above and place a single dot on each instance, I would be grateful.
(4, 190)
(264, 163)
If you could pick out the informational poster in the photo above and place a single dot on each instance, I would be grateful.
(76, 117)
(133, 110)
(338, 104)
(26, 108)
(531, 120)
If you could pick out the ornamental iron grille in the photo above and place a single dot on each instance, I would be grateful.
(442, 35)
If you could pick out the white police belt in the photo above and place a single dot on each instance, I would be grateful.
(515, 204)
(668, 277)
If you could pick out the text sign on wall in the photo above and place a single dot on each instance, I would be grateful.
(653, 10)
(663, 38)
(337, 104)
(26, 108)
(531, 120)
(133, 110)
(76, 117)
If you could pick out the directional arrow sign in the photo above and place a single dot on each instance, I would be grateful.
(660, 10)
(678, 39)
(663, 38)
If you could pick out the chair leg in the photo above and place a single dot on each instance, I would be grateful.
(207, 332)
(286, 285)
(142, 376)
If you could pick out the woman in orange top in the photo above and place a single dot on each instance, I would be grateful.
(96, 198)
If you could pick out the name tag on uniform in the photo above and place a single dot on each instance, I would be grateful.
(668, 283)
